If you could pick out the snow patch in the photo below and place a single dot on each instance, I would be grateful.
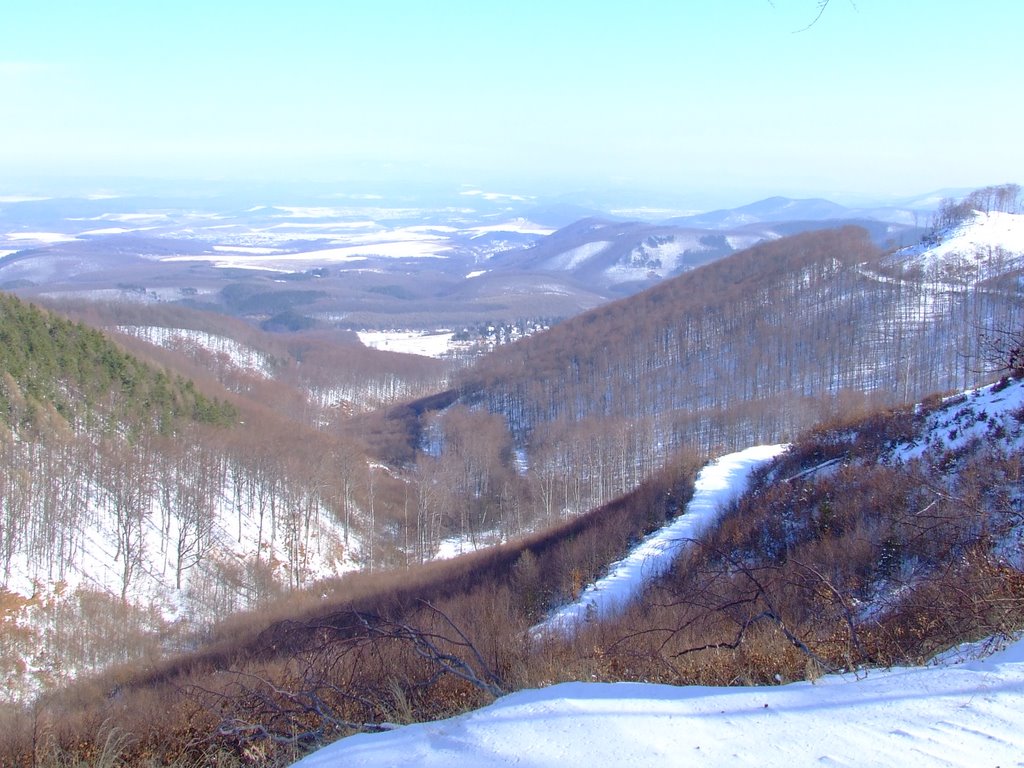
(987, 243)
(436, 344)
(40, 237)
(520, 225)
(579, 255)
(110, 231)
(238, 355)
(493, 196)
(719, 483)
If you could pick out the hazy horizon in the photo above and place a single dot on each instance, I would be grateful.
(691, 102)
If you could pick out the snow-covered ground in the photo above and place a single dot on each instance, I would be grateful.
(664, 254)
(960, 711)
(574, 257)
(455, 546)
(39, 237)
(519, 225)
(989, 412)
(283, 262)
(718, 484)
(967, 714)
(410, 342)
(990, 243)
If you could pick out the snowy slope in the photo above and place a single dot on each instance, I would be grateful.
(968, 714)
(235, 535)
(237, 355)
(717, 485)
(989, 243)
(989, 413)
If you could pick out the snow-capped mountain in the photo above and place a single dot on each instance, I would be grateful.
(606, 255)
(609, 256)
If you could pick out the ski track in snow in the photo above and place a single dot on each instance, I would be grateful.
(718, 484)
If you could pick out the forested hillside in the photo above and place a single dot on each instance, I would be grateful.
(872, 541)
(134, 508)
(311, 377)
(52, 366)
(749, 349)
(200, 466)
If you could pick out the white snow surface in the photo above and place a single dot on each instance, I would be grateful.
(988, 413)
(114, 230)
(976, 239)
(40, 237)
(456, 546)
(967, 714)
(410, 342)
(666, 255)
(274, 260)
(719, 483)
(519, 224)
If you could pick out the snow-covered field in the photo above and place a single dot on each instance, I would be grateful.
(275, 260)
(519, 225)
(966, 714)
(410, 342)
(39, 237)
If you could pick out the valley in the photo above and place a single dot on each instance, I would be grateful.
(241, 444)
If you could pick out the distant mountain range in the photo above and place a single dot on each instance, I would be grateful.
(377, 257)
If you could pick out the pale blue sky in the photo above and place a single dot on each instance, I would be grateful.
(878, 97)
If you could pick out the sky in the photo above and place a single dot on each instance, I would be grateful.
(874, 98)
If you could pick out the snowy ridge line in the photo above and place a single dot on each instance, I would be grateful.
(719, 483)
